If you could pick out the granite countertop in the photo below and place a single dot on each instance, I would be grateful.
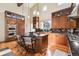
(73, 41)
(34, 34)
(40, 34)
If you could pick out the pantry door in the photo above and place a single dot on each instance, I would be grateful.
(20, 27)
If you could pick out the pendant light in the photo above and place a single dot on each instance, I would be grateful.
(22, 11)
(38, 14)
(28, 12)
(23, 16)
(38, 19)
(38, 10)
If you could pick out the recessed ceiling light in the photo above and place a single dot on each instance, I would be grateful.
(60, 4)
(45, 8)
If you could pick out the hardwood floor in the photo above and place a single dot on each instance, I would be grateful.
(55, 41)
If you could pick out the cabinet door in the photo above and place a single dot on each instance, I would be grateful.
(59, 22)
(63, 22)
(77, 24)
(20, 27)
(73, 24)
(60, 39)
(55, 22)
(35, 22)
(45, 41)
(11, 21)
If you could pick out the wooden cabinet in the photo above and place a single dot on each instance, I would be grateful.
(11, 21)
(60, 19)
(20, 27)
(42, 43)
(77, 23)
(59, 22)
(61, 39)
(58, 41)
(57, 38)
(73, 24)
(35, 22)
(14, 25)
(55, 22)
(63, 22)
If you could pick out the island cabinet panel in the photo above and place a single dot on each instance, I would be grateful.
(42, 43)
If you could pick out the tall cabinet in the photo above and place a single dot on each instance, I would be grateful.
(14, 25)
(35, 22)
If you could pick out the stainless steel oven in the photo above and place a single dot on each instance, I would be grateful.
(11, 30)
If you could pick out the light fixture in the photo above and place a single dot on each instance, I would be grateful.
(44, 8)
(22, 10)
(76, 43)
(28, 16)
(37, 12)
(28, 12)
(60, 4)
(34, 12)
(22, 18)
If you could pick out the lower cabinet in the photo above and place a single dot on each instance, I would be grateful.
(58, 41)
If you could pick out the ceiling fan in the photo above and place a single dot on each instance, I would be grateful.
(19, 4)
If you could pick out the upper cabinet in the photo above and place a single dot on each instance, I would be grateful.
(59, 22)
(35, 22)
(60, 19)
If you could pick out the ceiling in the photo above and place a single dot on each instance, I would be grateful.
(30, 4)
(60, 5)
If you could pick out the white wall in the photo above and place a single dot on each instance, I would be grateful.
(10, 7)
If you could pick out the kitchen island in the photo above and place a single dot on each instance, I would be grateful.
(39, 41)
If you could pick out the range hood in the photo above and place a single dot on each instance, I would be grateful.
(75, 12)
